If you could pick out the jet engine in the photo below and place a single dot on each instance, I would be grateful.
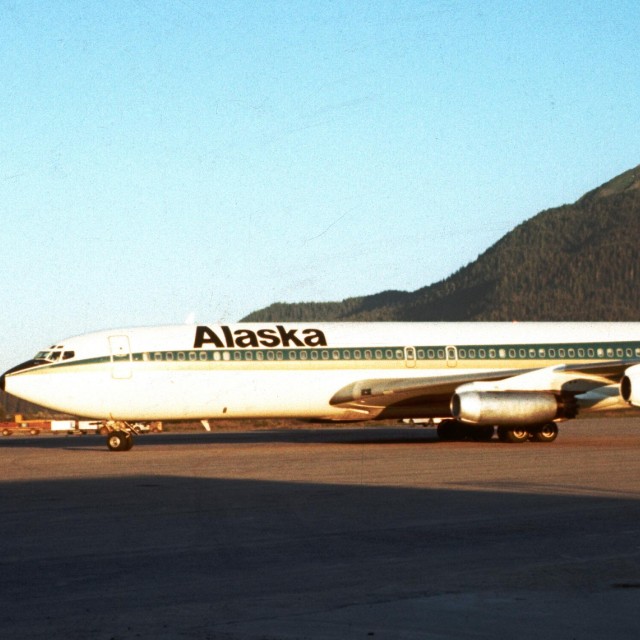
(630, 385)
(507, 408)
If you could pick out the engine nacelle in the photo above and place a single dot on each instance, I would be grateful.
(508, 408)
(630, 386)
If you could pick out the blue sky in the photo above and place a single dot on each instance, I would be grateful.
(173, 157)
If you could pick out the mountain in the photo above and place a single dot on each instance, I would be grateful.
(574, 262)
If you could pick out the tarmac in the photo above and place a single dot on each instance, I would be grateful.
(380, 533)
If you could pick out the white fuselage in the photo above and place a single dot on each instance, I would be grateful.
(295, 370)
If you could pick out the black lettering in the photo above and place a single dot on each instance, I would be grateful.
(314, 338)
(228, 336)
(246, 338)
(204, 335)
(289, 336)
(268, 337)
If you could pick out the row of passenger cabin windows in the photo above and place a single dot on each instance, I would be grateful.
(279, 355)
(463, 353)
(548, 352)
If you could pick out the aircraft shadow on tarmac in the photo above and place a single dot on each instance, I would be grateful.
(160, 556)
(362, 436)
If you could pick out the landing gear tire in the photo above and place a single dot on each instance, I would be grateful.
(513, 434)
(545, 432)
(482, 434)
(451, 430)
(119, 441)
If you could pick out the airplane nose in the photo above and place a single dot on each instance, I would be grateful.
(21, 367)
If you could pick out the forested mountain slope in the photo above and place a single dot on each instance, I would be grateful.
(574, 262)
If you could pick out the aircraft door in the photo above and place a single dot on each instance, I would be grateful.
(410, 357)
(120, 357)
(452, 357)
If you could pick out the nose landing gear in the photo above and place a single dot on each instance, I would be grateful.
(120, 435)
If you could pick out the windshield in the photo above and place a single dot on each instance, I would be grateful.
(53, 356)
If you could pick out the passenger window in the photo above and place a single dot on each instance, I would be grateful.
(512, 353)
(431, 354)
(441, 354)
(472, 353)
(203, 355)
(389, 354)
(462, 353)
(192, 356)
(248, 355)
(367, 354)
(270, 355)
(378, 354)
(169, 356)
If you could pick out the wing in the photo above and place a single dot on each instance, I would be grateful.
(430, 396)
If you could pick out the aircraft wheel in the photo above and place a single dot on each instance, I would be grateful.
(119, 441)
(129, 441)
(34, 432)
(514, 434)
(482, 434)
(450, 430)
(545, 432)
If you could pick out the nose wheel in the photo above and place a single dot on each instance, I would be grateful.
(119, 440)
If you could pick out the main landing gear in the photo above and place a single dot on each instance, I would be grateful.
(453, 430)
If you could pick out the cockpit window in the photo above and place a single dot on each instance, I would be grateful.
(53, 356)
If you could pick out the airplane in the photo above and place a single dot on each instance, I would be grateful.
(467, 379)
